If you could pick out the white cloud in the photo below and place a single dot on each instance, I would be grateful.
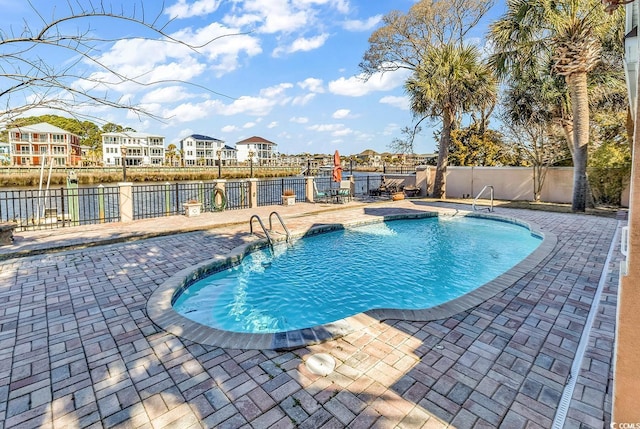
(260, 105)
(342, 132)
(135, 52)
(249, 125)
(302, 44)
(341, 113)
(166, 95)
(229, 129)
(359, 25)
(272, 124)
(302, 99)
(222, 45)
(256, 106)
(326, 127)
(341, 6)
(335, 130)
(246, 20)
(395, 101)
(145, 61)
(299, 120)
(183, 10)
(272, 16)
(312, 84)
(187, 112)
(356, 86)
(276, 90)
(282, 16)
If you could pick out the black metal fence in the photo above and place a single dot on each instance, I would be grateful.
(270, 191)
(60, 207)
(364, 184)
(398, 169)
(64, 207)
(151, 201)
(237, 195)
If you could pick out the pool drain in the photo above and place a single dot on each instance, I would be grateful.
(321, 364)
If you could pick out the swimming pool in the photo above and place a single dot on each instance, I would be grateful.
(407, 264)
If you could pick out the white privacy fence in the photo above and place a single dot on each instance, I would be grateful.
(509, 183)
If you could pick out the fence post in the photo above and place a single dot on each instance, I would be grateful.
(308, 185)
(177, 207)
(253, 193)
(219, 184)
(72, 187)
(126, 201)
(101, 203)
(201, 192)
(167, 198)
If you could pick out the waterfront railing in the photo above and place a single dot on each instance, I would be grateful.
(73, 206)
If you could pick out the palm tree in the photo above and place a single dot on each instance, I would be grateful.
(570, 33)
(171, 154)
(450, 81)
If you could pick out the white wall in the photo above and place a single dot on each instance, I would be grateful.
(512, 183)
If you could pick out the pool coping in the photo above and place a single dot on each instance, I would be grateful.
(161, 312)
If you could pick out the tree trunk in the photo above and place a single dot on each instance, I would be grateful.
(577, 83)
(440, 182)
(567, 129)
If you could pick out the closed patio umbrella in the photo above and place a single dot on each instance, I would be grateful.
(337, 168)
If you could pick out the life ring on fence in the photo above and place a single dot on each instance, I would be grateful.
(218, 193)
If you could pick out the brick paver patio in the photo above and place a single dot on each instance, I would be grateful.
(77, 349)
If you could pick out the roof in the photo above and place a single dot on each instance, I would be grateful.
(43, 127)
(255, 139)
(132, 134)
(203, 137)
(227, 147)
(368, 152)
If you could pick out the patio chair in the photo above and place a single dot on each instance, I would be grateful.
(388, 187)
(344, 192)
(323, 196)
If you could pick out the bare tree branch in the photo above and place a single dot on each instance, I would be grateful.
(29, 80)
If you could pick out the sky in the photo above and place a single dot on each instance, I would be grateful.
(284, 70)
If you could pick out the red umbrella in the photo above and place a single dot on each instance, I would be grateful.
(337, 168)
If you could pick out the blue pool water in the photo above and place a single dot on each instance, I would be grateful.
(402, 264)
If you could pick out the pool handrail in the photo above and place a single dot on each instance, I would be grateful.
(286, 230)
(266, 232)
(475, 200)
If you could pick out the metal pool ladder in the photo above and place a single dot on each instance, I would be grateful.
(490, 208)
(286, 230)
(266, 231)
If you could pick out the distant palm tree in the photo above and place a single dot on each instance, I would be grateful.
(171, 154)
(450, 81)
(570, 32)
